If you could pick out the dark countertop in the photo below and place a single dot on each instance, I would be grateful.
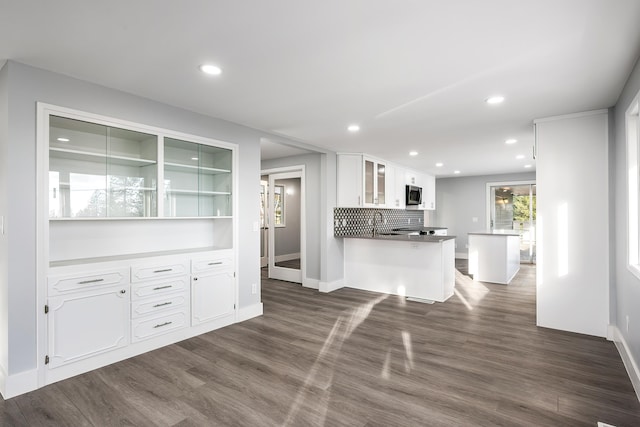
(419, 228)
(403, 237)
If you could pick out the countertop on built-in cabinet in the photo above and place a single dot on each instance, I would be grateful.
(495, 232)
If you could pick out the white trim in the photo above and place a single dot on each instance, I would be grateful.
(462, 255)
(249, 312)
(287, 257)
(571, 116)
(331, 286)
(632, 143)
(627, 359)
(17, 384)
(310, 283)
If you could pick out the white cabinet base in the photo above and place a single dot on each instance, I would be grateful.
(494, 258)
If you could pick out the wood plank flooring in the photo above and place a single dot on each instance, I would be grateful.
(355, 358)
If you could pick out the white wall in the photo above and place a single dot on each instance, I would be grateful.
(26, 86)
(573, 223)
(459, 200)
(625, 293)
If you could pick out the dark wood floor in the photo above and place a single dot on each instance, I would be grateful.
(354, 358)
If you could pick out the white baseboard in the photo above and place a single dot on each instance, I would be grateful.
(311, 283)
(462, 255)
(287, 257)
(331, 286)
(627, 358)
(17, 384)
(246, 313)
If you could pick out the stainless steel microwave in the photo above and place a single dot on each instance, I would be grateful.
(414, 195)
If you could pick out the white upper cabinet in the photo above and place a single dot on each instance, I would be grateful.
(429, 192)
(363, 181)
(97, 170)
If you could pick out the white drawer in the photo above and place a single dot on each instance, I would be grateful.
(140, 273)
(146, 327)
(148, 306)
(87, 280)
(211, 264)
(159, 287)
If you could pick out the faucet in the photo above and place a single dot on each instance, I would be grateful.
(375, 223)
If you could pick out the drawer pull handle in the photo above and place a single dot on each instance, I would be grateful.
(160, 325)
(163, 287)
(164, 270)
(84, 282)
(160, 305)
(215, 263)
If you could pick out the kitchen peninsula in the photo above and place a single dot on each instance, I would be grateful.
(420, 267)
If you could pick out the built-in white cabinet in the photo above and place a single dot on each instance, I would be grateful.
(87, 315)
(98, 308)
(197, 179)
(429, 192)
(98, 170)
(212, 288)
(362, 181)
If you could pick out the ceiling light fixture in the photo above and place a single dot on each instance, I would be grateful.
(211, 69)
(496, 99)
(456, 172)
(439, 164)
(194, 158)
(353, 128)
(511, 141)
(527, 166)
(413, 153)
(61, 139)
(520, 156)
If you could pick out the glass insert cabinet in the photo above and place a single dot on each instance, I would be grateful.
(103, 171)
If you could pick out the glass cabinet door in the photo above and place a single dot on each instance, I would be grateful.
(197, 179)
(380, 184)
(98, 171)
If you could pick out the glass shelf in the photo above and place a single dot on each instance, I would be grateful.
(99, 171)
(197, 179)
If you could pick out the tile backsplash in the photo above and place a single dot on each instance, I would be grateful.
(358, 221)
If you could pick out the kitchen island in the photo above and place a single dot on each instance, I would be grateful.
(494, 255)
(420, 267)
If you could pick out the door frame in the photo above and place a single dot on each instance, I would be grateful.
(489, 202)
(282, 273)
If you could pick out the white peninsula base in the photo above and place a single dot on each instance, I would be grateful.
(420, 269)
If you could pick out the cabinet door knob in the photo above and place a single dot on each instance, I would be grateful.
(123, 291)
(195, 278)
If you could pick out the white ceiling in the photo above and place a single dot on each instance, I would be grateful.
(412, 73)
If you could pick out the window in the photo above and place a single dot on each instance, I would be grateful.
(278, 206)
(633, 177)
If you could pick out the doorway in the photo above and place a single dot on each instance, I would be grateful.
(512, 207)
(283, 229)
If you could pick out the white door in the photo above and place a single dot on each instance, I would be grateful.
(85, 324)
(213, 296)
(286, 219)
(264, 222)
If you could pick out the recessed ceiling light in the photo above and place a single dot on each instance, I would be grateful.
(413, 153)
(61, 139)
(511, 141)
(456, 172)
(496, 99)
(194, 158)
(439, 164)
(211, 69)
(520, 156)
(527, 166)
(353, 128)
